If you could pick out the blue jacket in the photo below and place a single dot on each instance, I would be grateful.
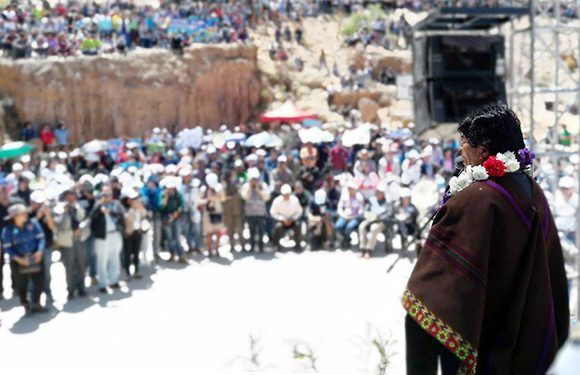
(23, 241)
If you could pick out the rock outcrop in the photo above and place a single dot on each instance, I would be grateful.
(115, 95)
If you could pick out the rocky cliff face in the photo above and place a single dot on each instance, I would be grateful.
(114, 95)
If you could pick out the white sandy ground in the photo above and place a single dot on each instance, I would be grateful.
(199, 319)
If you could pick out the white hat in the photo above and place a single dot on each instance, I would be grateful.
(15, 209)
(25, 158)
(566, 182)
(92, 157)
(286, 189)
(62, 155)
(413, 154)
(320, 197)
(352, 184)
(29, 175)
(409, 143)
(405, 193)
(17, 167)
(186, 159)
(38, 196)
(186, 171)
(427, 152)
(211, 180)
(238, 163)
(171, 169)
(86, 178)
(76, 152)
(130, 145)
(261, 152)
(282, 159)
(211, 149)
(253, 173)
(132, 169)
(195, 182)
(169, 182)
(383, 186)
(100, 178)
(434, 141)
(130, 193)
(251, 158)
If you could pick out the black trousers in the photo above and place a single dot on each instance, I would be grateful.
(256, 226)
(131, 250)
(423, 352)
(22, 281)
(281, 229)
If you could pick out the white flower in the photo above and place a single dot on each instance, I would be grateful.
(456, 184)
(509, 160)
(453, 185)
(478, 173)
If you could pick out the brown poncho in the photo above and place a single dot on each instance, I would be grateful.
(490, 284)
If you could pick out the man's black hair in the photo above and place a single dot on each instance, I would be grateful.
(494, 126)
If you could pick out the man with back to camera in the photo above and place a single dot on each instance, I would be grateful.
(489, 291)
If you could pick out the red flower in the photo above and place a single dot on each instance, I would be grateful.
(494, 167)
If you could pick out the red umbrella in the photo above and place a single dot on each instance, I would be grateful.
(287, 112)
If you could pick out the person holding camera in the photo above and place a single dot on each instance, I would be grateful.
(108, 226)
(255, 195)
(211, 203)
(71, 237)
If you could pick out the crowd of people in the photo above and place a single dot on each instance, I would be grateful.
(37, 29)
(102, 203)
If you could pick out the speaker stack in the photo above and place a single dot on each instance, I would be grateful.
(456, 74)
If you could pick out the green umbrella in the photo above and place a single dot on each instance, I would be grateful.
(14, 149)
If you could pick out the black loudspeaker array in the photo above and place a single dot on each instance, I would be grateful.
(455, 74)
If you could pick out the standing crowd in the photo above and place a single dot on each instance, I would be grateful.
(102, 204)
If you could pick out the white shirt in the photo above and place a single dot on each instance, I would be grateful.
(283, 209)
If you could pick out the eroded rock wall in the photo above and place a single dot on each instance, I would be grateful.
(115, 95)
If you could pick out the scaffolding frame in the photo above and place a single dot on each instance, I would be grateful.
(544, 33)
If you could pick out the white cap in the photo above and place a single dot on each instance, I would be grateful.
(286, 189)
(238, 163)
(282, 159)
(171, 169)
(352, 184)
(29, 175)
(252, 157)
(17, 167)
(169, 182)
(25, 158)
(320, 196)
(92, 157)
(185, 172)
(132, 169)
(566, 182)
(130, 193)
(405, 193)
(86, 178)
(261, 152)
(434, 141)
(409, 143)
(211, 149)
(253, 173)
(211, 180)
(413, 154)
(62, 155)
(38, 196)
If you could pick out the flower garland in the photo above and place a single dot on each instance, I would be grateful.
(494, 166)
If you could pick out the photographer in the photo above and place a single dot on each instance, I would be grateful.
(211, 202)
(71, 237)
(108, 226)
(255, 195)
